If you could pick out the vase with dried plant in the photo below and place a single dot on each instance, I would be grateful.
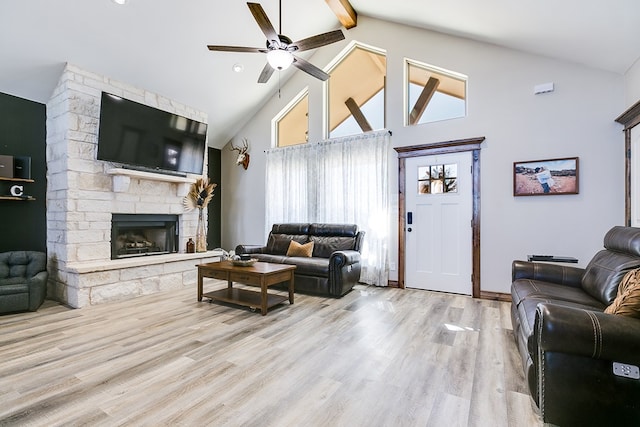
(199, 196)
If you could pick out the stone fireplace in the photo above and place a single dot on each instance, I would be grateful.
(134, 235)
(84, 193)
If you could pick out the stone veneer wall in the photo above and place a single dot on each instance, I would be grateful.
(82, 195)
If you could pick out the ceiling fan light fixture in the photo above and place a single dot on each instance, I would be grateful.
(279, 48)
(279, 59)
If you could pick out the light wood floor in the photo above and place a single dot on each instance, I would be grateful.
(376, 357)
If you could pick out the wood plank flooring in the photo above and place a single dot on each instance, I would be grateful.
(376, 357)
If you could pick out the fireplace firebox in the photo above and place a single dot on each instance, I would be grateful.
(143, 234)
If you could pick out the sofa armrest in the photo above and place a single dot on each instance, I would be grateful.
(592, 334)
(576, 349)
(344, 271)
(40, 279)
(250, 249)
(559, 274)
(37, 290)
(341, 258)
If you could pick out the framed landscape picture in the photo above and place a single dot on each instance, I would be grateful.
(545, 177)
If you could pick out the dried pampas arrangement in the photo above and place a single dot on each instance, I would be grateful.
(199, 195)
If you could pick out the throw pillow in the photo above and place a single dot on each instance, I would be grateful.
(297, 249)
(627, 302)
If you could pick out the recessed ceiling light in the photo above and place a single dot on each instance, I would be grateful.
(119, 1)
(238, 68)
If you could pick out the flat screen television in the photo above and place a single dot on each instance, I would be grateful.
(142, 137)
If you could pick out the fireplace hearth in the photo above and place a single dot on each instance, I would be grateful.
(135, 235)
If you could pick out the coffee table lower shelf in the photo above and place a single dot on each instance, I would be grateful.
(244, 298)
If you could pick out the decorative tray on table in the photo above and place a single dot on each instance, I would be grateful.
(244, 263)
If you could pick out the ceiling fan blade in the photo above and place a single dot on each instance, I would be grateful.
(309, 68)
(263, 22)
(236, 49)
(318, 41)
(266, 73)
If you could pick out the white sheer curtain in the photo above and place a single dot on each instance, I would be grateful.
(289, 185)
(344, 180)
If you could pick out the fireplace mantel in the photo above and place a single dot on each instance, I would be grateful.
(122, 178)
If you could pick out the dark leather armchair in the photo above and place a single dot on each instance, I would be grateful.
(568, 345)
(334, 267)
(23, 281)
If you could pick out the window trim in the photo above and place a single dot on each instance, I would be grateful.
(286, 110)
(353, 44)
(452, 74)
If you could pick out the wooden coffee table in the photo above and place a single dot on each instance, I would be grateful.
(260, 274)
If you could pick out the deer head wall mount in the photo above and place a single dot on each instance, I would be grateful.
(243, 155)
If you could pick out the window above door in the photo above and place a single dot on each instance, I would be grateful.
(433, 93)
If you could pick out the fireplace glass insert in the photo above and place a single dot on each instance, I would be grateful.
(143, 234)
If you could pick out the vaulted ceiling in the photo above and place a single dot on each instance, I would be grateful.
(160, 45)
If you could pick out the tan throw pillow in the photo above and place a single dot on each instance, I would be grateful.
(627, 302)
(297, 249)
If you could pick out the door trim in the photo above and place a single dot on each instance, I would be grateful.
(629, 119)
(455, 146)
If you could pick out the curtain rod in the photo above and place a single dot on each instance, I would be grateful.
(319, 142)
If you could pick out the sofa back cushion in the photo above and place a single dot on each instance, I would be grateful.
(328, 238)
(324, 246)
(278, 244)
(340, 230)
(293, 228)
(605, 271)
(24, 264)
(282, 234)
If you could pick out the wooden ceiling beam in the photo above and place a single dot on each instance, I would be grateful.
(345, 12)
(356, 112)
(423, 100)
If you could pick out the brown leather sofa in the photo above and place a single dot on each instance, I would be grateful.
(334, 267)
(568, 345)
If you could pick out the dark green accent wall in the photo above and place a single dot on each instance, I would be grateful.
(215, 206)
(23, 224)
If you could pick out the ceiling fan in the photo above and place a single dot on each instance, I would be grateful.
(280, 48)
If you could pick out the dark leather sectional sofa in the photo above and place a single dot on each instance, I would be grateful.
(334, 267)
(568, 345)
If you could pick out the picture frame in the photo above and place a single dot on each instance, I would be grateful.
(549, 177)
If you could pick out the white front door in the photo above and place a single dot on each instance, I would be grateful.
(438, 252)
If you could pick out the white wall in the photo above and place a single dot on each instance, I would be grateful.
(575, 120)
(632, 84)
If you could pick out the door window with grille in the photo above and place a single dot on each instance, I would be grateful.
(438, 179)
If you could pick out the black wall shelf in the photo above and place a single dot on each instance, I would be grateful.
(28, 198)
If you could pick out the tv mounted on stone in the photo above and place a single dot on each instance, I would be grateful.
(141, 137)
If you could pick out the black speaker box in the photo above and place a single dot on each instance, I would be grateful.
(22, 167)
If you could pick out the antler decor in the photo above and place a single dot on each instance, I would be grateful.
(199, 195)
(243, 155)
